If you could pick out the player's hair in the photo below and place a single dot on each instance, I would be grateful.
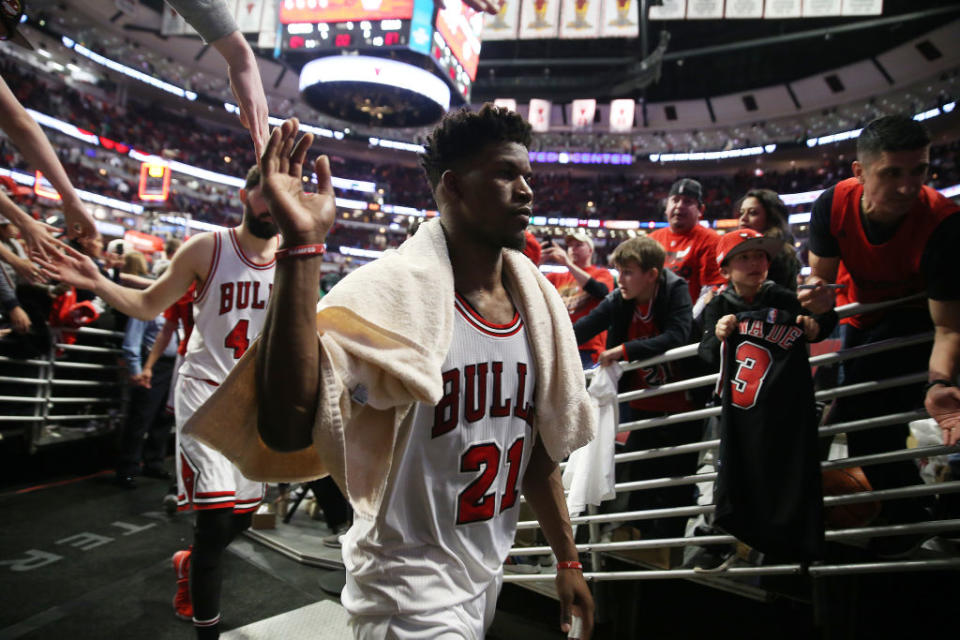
(463, 133)
(775, 209)
(643, 250)
(891, 133)
(172, 245)
(253, 178)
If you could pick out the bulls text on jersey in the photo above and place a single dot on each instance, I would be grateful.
(242, 294)
(469, 389)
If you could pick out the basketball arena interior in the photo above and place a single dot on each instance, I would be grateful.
(625, 99)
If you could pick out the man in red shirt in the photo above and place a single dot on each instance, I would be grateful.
(583, 286)
(896, 237)
(691, 247)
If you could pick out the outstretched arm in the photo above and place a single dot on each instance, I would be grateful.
(189, 264)
(543, 489)
(34, 146)
(288, 361)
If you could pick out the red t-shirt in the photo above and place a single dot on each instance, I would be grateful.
(890, 270)
(642, 326)
(182, 311)
(692, 256)
(579, 303)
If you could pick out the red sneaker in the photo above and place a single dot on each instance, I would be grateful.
(182, 605)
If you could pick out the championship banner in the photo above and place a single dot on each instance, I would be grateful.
(508, 103)
(267, 38)
(583, 113)
(704, 9)
(744, 9)
(862, 8)
(669, 10)
(775, 9)
(502, 26)
(621, 115)
(539, 116)
(580, 19)
(621, 18)
(248, 15)
(539, 19)
(821, 8)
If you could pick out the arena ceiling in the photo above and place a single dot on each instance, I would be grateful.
(703, 58)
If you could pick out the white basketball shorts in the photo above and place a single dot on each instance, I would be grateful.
(466, 621)
(205, 478)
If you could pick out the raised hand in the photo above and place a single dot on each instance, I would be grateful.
(303, 218)
(69, 267)
(80, 223)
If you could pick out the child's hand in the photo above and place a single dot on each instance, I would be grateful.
(811, 328)
(610, 356)
(726, 326)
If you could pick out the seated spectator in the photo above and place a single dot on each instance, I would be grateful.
(648, 314)
(763, 211)
(582, 286)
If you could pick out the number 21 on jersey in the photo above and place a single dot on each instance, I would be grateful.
(476, 502)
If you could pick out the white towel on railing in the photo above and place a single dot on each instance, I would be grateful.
(589, 476)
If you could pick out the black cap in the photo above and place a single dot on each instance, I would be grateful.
(687, 187)
(10, 13)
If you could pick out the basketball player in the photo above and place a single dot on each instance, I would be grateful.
(444, 381)
(233, 271)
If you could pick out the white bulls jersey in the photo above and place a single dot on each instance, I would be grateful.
(228, 311)
(449, 514)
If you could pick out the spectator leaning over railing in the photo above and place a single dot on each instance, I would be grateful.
(896, 237)
(762, 210)
(648, 314)
(581, 287)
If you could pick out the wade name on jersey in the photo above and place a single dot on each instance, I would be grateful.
(779, 334)
(242, 295)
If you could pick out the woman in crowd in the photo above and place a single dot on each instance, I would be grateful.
(763, 211)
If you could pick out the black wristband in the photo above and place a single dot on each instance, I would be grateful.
(934, 383)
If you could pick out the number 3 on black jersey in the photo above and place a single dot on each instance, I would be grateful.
(474, 504)
(753, 364)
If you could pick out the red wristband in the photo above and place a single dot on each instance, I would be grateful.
(570, 564)
(300, 250)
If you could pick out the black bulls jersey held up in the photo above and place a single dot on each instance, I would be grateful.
(768, 491)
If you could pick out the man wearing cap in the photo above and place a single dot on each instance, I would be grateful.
(582, 286)
(690, 247)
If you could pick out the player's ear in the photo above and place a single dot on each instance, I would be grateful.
(450, 183)
(243, 196)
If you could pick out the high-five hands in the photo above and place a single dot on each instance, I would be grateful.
(303, 218)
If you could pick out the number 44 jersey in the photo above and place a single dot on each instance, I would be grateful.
(768, 491)
(229, 309)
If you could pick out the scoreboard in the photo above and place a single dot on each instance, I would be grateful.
(449, 37)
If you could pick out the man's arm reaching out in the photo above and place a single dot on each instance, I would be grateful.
(288, 360)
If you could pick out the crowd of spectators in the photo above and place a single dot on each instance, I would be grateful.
(571, 194)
